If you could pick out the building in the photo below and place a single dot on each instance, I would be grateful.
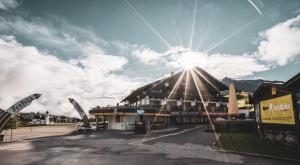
(186, 97)
(125, 117)
(245, 108)
(293, 85)
(275, 111)
(39, 119)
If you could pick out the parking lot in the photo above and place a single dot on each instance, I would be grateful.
(174, 146)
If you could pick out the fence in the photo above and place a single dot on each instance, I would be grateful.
(38, 131)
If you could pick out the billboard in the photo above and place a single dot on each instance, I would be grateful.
(18, 106)
(277, 110)
(297, 100)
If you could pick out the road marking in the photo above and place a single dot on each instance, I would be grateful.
(205, 148)
(162, 136)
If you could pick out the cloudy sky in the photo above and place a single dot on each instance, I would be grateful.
(99, 51)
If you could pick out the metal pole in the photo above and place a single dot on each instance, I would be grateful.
(11, 131)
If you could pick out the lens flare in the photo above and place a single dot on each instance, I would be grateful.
(190, 59)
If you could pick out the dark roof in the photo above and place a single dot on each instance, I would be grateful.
(208, 84)
(147, 87)
(267, 83)
(124, 109)
(292, 80)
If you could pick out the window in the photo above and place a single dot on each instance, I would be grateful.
(118, 118)
(155, 103)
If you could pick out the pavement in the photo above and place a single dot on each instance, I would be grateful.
(180, 146)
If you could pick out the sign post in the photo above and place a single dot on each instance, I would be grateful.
(81, 113)
(17, 107)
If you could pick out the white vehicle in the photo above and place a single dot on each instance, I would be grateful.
(82, 126)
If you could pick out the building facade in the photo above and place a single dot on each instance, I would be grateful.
(276, 113)
(187, 97)
(293, 85)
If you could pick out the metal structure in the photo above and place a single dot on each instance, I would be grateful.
(81, 113)
(17, 107)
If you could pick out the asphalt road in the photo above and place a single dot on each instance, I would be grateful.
(114, 147)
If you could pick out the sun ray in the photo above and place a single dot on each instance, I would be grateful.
(240, 29)
(148, 24)
(193, 24)
(179, 38)
(172, 92)
(231, 35)
(206, 80)
(187, 82)
(163, 80)
(197, 81)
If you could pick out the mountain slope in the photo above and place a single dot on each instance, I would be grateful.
(243, 85)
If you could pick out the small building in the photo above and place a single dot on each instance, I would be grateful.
(40, 119)
(275, 112)
(244, 106)
(38, 122)
(125, 117)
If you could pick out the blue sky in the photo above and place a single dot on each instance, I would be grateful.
(98, 51)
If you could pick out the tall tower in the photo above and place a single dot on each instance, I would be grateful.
(232, 104)
(47, 118)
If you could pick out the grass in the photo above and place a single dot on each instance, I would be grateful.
(251, 143)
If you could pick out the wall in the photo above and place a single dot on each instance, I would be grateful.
(127, 122)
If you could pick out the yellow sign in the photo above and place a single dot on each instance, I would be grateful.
(278, 110)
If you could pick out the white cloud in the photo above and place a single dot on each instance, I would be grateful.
(219, 65)
(90, 77)
(90, 80)
(297, 11)
(280, 43)
(62, 36)
(8, 4)
(148, 56)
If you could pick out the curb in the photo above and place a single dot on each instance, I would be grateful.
(253, 154)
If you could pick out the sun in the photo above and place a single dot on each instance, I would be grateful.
(188, 62)
(190, 59)
(187, 58)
